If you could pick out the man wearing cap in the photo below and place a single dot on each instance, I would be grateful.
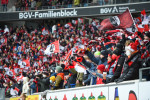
(59, 78)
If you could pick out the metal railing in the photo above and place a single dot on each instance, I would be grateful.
(92, 3)
(141, 72)
(2, 93)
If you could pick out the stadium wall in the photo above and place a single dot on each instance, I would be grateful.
(128, 90)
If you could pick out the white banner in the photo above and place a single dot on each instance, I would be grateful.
(92, 93)
(144, 88)
(130, 90)
(123, 92)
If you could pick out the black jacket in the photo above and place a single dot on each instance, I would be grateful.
(44, 83)
(131, 68)
(118, 70)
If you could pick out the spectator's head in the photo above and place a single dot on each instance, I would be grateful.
(130, 49)
(52, 79)
(97, 54)
(147, 36)
(116, 53)
(45, 74)
(23, 96)
(58, 69)
(128, 42)
(101, 68)
(119, 46)
(109, 58)
(5, 26)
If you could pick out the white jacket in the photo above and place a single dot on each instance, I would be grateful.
(25, 88)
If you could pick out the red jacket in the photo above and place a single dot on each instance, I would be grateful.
(4, 2)
(99, 81)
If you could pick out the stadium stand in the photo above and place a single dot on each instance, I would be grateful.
(105, 53)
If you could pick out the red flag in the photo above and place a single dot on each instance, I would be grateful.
(52, 48)
(75, 22)
(68, 25)
(80, 20)
(43, 29)
(19, 77)
(56, 46)
(146, 28)
(70, 52)
(16, 89)
(27, 62)
(112, 31)
(139, 20)
(141, 30)
(143, 12)
(75, 63)
(143, 15)
(121, 21)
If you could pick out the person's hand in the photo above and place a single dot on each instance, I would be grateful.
(83, 83)
(77, 82)
(104, 75)
(67, 77)
(94, 74)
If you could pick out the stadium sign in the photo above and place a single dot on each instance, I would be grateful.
(115, 9)
(75, 12)
(48, 14)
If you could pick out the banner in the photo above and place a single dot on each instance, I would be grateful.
(124, 92)
(33, 97)
(52, 48)
(93, 93)
(15, 98)
(30, 97)
(144, 88)
(121, 21)
(75, 12)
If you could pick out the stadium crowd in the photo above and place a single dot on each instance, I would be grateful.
(53, 4)
(87, 56)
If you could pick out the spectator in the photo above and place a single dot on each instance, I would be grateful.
(22, 51)
(23, 96)
(70, 3)
(38, 4)
(33, 4)
(101, 59)
(4, 3)
(54, 2)
(44, 82)
(100, 70)
(132, 64)
(26, 88)
(91, 80)
(76, 3)
(59, 78)
(18, 5)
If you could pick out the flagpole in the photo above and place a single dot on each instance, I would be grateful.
(132, 19)
(59, 54)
